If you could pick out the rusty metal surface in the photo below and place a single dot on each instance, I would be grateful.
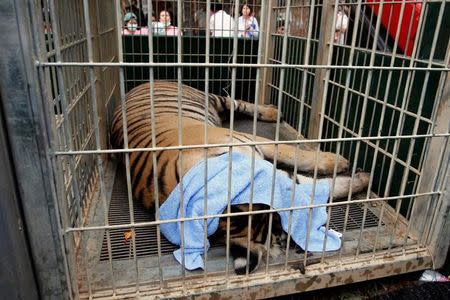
(317, 279)
(279, 283)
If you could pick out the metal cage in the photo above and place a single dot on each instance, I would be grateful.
(375, 90)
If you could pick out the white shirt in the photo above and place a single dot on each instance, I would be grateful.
(341, 27)
(248, 28)
(221, 24)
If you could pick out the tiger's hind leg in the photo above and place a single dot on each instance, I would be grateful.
(305, 159)
(343, 185)
(266, 113)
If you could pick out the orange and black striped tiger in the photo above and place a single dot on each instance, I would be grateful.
(170, 169)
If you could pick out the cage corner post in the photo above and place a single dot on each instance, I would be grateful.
(267, 42)
(22, 104)
(324, 48)
(430, 222)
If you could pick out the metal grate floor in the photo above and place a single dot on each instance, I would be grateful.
(119, 213)
(146, 237)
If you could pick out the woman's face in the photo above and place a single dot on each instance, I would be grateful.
(132, 25)
(164, 17)
(280, 29)
(246, 11)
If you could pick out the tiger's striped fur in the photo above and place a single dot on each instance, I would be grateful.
(169, 166)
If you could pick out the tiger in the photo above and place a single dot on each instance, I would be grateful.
(170, 168)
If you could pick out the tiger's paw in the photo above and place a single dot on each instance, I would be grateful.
(361, 181)
(327, 161)
(268, 113)
(240, 262)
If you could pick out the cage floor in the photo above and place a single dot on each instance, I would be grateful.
(101, 272)
(146, 237)
(119, 213)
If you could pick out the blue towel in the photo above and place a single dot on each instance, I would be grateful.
(217, 177)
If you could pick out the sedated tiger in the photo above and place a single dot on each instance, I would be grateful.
(170, 169)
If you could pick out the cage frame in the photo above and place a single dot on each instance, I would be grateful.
(23, 95)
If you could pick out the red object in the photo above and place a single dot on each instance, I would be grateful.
(391, 17)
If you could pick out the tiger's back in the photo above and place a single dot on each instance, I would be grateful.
(166, 111)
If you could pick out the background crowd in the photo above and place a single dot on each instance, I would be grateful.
(221, 22)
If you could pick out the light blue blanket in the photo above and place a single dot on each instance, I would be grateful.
(217, 187)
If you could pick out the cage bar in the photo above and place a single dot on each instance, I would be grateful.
(378, 102)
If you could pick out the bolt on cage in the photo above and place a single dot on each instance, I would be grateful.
(378, 95)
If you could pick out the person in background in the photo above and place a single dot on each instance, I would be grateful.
(132, 27)
(221, 24)
(280, 27)
(341, 25)
(133, 7)
(247, 23)
(165, 18)
(200, 22)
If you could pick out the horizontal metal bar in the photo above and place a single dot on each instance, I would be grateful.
(384, 152)
(232, 65)
(67, 46)
(111, 29)
(247, 213)
(393, 2)
(113, 58)
(299, 69)
(265, 285)
(292, 142)
(398, 56)
(75, 100)
(388, 105)
(292, 97)
(295, 37)
(294, 6)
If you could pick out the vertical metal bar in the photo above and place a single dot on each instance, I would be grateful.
(61, 209)
(368, 84)
(94, 118)
(180, 142)
(380, 126)
(326, 9)
(341, 127)
(406, 97)
(125, 131)
(435, 186)
(97, 133)
(263, 34)
(154, 162)
(388, 29)
(300, 122)
(364, 106)
(427, 225)
(437, 226)
(416, 123)
(205, 157)
(268, 41)
(277, 128)
(391, 122)
(62, 91)
(354, 85)
(423, 182)
(230, 149)
(324, 49)
(399, 130)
